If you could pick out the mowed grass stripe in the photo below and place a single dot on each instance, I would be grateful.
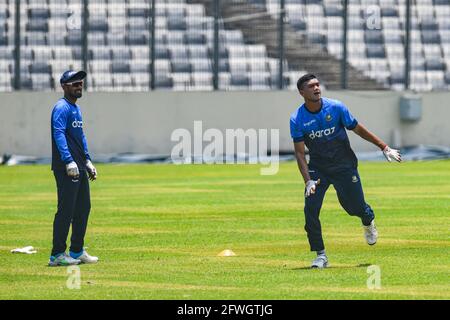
(158, 230)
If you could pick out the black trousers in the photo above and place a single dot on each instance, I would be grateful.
(74, 205)
(347, 184)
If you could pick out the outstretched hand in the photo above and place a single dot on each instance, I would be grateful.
(392, 154)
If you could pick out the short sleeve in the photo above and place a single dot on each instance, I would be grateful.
(296, 132)
(347, 118)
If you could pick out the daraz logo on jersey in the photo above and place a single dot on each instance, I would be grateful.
(321, 133)
(77, 124)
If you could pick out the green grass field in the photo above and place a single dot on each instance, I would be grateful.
(159, 228)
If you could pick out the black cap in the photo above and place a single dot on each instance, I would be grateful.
(70, 76)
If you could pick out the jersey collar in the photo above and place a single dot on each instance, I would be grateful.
(316, 112)
(72, 104)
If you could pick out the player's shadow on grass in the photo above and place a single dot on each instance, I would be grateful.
(361, 265)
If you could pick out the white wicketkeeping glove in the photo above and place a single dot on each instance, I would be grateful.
(91, 170)
(72, 170)
(27, 250)
(311, 187)
(392, 154)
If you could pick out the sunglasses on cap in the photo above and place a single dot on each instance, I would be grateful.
(75, 84)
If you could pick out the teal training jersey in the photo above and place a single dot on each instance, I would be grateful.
(324, 134)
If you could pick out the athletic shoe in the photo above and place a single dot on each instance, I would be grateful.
(63, 260)
(84, 257)
(371, 233)
(320, 262)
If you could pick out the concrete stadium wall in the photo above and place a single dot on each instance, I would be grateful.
(143, 122)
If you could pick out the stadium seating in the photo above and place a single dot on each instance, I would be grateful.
(119, 39)
(118, 42)
(376, 47)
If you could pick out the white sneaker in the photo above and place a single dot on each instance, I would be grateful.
(371, 233)
(63, 260)
(86, 258)
(320, 262)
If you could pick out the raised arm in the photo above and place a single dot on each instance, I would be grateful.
(362, 131)
(390, 154)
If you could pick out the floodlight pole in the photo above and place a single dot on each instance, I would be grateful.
(344, 76)
(17, 82)
(407, 43)
(216, 45)
(152, 42)
(84, 37)
(281, 44)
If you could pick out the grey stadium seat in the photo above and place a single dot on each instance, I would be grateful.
(25, 82)
(114, 39)
(3, 40)
(6, 53)
(137, 25)
(198, 51)
(42, 53)
(223, 52)
(299, 25)
(333, 11)
(140, 53)
(138, 12)
(201, 65)
(163, 82)
(181, 66)
(375, 51)
(58, 39)
(38, 13)
(36, 39)
(389, 12)
(77, 53)
(435, 65)
(240, 80)
(120, 67)
(123, 81)
(429, 24)
(195, 38)
(40, 67)
(224, 66)
(121, 53)
(178, 52)
(176, 24)
(140, 66)
(98, 25)
(74, 38)
(41, 82)
(40, 25)
(373, 36)
(137, 39)
(397, 79)
(62, 53)
(26, 53)
(96, 39)
(162, 52)
(430, 37)
(100, 53)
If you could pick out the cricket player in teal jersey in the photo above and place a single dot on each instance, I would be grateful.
(320, 124)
